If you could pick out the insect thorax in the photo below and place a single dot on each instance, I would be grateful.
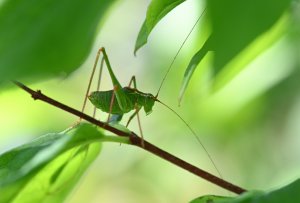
(142, 99)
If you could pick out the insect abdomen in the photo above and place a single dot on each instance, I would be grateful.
(102, 100)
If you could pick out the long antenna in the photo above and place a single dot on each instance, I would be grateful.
(182, 44)
(195, 135)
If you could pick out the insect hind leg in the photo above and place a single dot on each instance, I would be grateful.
(92, 76)
(99, 81)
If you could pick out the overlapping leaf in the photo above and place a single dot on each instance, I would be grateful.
(156, 11)
(235, 26)
(49, 37)
(287, 194)
(46, 169)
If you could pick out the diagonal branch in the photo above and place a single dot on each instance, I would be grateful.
(137, 141)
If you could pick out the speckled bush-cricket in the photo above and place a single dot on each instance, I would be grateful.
(121, 100)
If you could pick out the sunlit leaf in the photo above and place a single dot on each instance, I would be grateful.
(46, 169)
(257, 47)
(209, 199)
(197, 58)
(237, 24)
(49, 37)
(156, 11)
(286, 194)
(235, 27)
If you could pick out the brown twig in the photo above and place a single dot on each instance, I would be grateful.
(137, 141)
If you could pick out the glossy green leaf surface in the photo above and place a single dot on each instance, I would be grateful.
(47, 168)
(209, 199)
(197, 58)
(156, 11)
(46, 38)
(286, 194)
(235, 27)
(237, 24)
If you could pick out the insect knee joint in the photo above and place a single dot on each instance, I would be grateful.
(115, 87)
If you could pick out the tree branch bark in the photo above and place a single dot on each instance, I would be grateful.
(137, 141)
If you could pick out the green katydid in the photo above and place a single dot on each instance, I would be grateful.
(121, 100)
(127, 99)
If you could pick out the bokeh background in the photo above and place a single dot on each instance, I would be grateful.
(250, 125)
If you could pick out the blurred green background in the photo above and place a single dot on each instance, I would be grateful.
(250, 125)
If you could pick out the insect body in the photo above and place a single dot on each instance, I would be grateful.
(122, 100)
(127, 98)
(135, 99)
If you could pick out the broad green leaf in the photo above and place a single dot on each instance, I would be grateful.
(240, 61)
(235, 24)
(197, 58)
(119, 127)
(46, 169)
(46, 38)
(156, 11)
(240, 32)
(209, 199)
(286, 194)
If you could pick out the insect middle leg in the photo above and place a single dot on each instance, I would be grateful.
(132, 81)
(136, 112)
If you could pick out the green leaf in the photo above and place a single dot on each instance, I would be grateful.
(47, 168)
(46, 38)
(226, 72)
(156, 11)
(209, 199)
(120, 127)
(286, 194)
(240, 32)
(197, 58)
(236, 24)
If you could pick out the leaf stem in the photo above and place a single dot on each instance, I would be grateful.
(137, 141)
(121, 140)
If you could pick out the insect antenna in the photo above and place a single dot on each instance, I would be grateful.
(177, 53)
(194, 134)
